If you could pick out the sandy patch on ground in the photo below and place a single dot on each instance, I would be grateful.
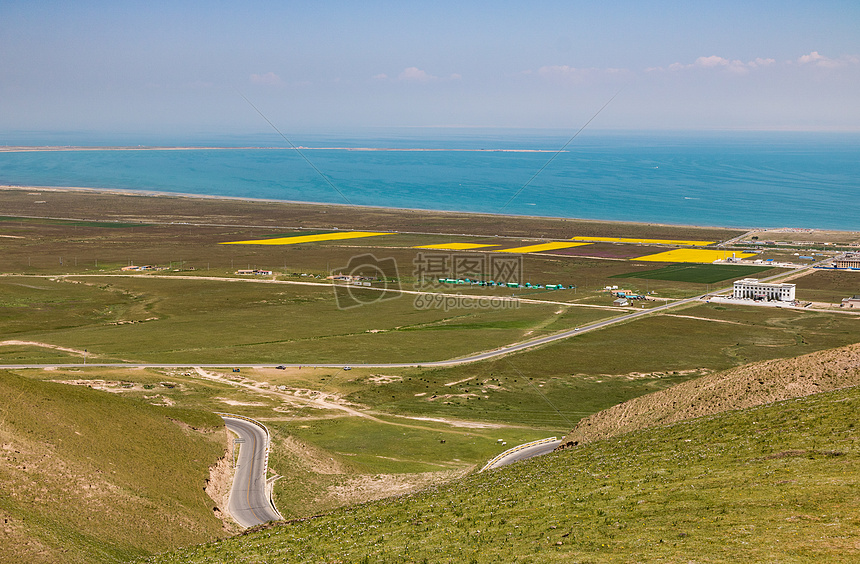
(460, 381)
(114, 386)
(450, 396)
(456, 423)
(160, 400)
(381, 379)
(245, 403)
(292, 397)
(14, 343)
(704, 319)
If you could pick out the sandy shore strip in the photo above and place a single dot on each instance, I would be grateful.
(54, 148)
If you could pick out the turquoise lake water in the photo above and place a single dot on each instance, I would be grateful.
(807, 180)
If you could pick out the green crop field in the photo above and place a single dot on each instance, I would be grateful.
(696, 273)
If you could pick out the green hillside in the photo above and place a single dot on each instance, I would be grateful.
(92, 477)
(775, 483)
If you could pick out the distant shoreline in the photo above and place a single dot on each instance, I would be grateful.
(338, 205)
(55, 148)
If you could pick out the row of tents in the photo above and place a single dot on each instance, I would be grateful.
(494, 284)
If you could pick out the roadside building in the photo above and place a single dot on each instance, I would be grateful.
(621, 302)
(752, 289)
(848, 261)
(853, 301)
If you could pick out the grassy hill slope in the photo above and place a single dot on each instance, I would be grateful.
(745, 386)
(775, 483)
(88, 476)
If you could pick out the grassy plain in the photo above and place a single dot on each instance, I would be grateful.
(204, 321)
(105, 206)
(772, 483)
(342, 437)
(828, 286)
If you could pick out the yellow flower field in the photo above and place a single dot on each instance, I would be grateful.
(308, 238)
(541, 247)
(454, 246)
(693, 255)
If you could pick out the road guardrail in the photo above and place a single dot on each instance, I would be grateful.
(510, 451)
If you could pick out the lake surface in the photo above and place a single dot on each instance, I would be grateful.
(807, 180)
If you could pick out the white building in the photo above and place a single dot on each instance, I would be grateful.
(752, 289)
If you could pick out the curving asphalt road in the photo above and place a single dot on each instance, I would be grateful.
(250, 503)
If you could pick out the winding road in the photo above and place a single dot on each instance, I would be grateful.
(250, 503)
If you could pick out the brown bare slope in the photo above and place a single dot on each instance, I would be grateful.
(747, 386)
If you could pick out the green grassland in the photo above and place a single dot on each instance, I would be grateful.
(343, 437)
(92, 477)
(767, 484)
(204, 321)
(595, 370)
(828, 285)
(125, 208)
(530, 395)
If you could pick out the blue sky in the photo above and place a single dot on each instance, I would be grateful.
(173, 67)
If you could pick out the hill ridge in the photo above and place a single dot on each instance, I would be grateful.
(746, 386)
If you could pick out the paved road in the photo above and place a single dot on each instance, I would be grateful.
(250, 503)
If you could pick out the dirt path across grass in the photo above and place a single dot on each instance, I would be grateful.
(14, 343)
(322, 403)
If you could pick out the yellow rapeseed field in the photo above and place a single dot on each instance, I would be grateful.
(454, 246)
(541, 247)
(308, 238)
(693, 255)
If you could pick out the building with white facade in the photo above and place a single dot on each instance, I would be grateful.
(752, 289)
(848, 261)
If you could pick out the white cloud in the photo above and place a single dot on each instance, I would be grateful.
(380, 76)
(712, 61)
(415, 74)
(817, 59)
(717, 62)
(759, 62)
(269, 78)
(813, 59)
